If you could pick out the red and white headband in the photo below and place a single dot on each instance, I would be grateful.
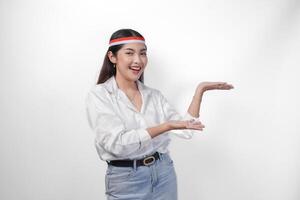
(126, 40)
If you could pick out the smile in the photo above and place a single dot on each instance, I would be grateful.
(135, 68)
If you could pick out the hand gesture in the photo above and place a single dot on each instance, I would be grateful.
(188, 124)
(204, 86)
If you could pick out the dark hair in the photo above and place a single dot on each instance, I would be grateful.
(108, 70)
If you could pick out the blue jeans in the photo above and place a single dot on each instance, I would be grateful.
(157, 181)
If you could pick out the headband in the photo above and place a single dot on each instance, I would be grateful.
(126, 40)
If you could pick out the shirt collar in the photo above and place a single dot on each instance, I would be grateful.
(112, 87)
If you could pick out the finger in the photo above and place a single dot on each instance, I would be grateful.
(218, 85)
(196, 126)
(196, 123)
(192, 121)
(226, 87)
(200, 125)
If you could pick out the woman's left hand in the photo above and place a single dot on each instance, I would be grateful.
(204, 86)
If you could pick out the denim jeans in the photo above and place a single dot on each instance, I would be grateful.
(157, 181)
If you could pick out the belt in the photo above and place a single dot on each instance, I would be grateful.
(149, 160)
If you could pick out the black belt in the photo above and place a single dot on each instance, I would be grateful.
(149, 160)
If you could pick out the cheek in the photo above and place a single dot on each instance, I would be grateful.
(124, 61)
(145, 60)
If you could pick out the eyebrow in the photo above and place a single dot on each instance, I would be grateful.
(143, 49)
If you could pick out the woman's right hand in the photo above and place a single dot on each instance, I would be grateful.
(188, 124)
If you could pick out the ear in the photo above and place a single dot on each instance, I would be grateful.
(111, 57)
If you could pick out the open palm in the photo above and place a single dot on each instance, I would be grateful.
(204, 86)
(188, 124)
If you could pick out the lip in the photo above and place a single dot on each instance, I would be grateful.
(135, 72)
(135, 67)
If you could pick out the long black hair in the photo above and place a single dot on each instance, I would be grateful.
(108, 70)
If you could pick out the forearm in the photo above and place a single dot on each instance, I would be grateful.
(194, 108)
(159, 129)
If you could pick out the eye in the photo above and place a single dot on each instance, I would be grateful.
(128, 53)
(144, 53)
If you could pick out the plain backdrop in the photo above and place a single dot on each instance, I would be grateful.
(51, 54)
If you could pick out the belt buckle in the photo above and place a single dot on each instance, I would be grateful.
(146, 163)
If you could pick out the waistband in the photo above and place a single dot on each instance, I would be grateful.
(147, 161)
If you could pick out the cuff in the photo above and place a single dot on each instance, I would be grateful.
(144, 135)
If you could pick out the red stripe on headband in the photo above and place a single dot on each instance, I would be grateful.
(126, 38)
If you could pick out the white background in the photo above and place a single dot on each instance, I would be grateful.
(51, 53)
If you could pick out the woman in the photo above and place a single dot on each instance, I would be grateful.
(132, 123)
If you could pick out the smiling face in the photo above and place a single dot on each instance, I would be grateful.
(130, 61)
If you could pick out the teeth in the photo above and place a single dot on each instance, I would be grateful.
(135, 68)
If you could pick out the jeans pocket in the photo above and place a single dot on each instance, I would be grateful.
(168, 160)
(115, 176)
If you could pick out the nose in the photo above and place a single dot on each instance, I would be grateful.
(137, 59)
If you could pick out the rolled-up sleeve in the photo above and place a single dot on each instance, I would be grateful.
(111, 133)
(171, 114)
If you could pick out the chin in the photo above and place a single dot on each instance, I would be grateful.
(135, 78)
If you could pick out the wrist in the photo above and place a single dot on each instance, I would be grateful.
(167, 126)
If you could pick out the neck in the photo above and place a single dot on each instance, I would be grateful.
(124, 84)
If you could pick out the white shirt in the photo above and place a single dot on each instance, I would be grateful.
(121, 129)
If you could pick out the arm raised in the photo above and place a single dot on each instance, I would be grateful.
(194, 108)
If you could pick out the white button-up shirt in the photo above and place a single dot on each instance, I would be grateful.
(121, 129)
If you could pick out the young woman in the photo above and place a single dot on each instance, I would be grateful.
(133, 122)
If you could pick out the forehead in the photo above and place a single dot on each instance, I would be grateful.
(134, 46)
